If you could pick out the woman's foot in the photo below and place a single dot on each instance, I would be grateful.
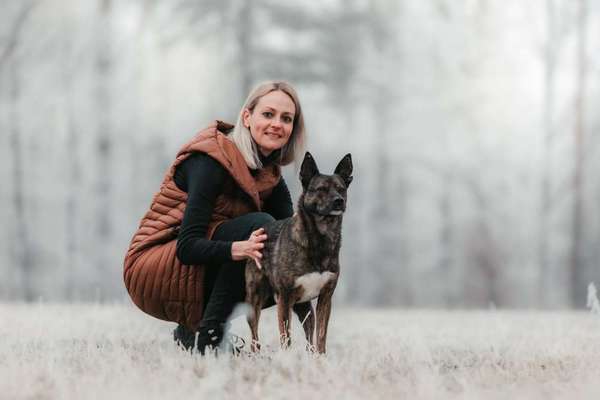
(184, 337)
(210, 337)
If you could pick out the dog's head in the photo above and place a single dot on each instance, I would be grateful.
(325, 195)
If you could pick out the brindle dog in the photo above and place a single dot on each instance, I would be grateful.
(301, 256)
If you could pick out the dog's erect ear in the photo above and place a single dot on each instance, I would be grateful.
(308, 169)
(344, 169)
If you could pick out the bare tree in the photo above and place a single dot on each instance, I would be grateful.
(484, 252)
(243, 38)
(388, 238)
(550, 55)
(103, 69)
(577, 264)
(229, 20)
(73, 174)
(24, 248)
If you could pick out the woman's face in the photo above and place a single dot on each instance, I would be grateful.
(271, 122)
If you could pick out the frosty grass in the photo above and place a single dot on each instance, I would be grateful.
(50, 351)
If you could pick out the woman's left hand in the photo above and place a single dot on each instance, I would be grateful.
(250, 248)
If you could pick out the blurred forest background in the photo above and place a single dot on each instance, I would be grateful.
(474, 128)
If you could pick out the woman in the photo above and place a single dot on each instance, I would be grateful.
(186, 261)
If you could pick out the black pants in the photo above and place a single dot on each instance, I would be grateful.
(225, 284)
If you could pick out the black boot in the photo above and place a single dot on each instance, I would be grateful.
(210, 337)
(218, 338)
(184, 337)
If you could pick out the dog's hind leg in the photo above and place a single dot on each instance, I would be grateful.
(255, 299)
(306, 315)
(284, 310)
(253, 322)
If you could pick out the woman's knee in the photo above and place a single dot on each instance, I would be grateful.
(259, 219)
(240, 228)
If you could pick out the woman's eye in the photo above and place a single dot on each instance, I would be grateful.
(287, 119)
(267, 114)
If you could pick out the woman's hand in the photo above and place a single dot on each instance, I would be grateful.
(250, 248)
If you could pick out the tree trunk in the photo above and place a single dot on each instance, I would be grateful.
(22, 245)
(393, 283)
(73, 175)
(243, 36)
(103, 145)
(548, 126)
(577, 267)
(444, 266)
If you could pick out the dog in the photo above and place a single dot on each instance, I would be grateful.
(300, 259)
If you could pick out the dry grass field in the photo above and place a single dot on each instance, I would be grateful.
(115, 352)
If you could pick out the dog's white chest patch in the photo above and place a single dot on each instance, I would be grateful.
(312, 284)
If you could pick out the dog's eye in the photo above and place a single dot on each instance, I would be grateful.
(321, 189)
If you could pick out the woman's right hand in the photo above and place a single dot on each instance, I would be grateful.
(250, 248)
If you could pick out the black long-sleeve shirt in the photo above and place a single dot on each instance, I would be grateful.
(203, 178)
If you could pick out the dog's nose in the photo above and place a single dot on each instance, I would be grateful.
(338, 204)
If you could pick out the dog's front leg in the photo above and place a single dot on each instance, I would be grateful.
(323, 312)
(284, 309)
(306, 315)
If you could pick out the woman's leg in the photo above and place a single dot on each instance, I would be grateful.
(227, 283)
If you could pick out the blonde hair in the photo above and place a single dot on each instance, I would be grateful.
(242, 137)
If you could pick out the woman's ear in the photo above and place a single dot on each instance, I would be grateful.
(246, 118)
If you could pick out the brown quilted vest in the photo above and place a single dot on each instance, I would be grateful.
(155, 279)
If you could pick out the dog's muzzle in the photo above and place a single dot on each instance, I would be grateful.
(339, 206)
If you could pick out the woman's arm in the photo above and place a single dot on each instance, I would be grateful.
(279, 204)
(202, 178)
